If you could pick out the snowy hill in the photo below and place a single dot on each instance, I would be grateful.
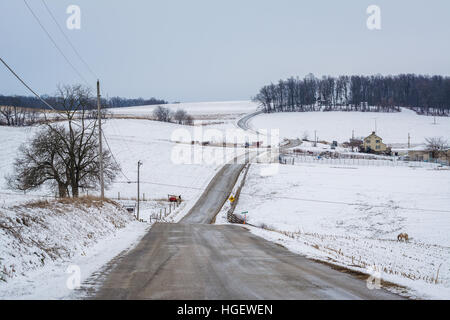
(330, 126)
(40, 240)
(197, 109)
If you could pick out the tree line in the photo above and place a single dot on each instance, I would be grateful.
(180, 116)
(118, 102)
(15, 116)
(429, 95)
(24, 110)
(30, 102)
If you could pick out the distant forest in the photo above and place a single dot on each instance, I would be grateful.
(428, 95)
(34, 103)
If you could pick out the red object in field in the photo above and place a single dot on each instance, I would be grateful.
(173, 198)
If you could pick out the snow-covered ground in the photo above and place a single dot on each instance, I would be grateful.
(10, 140)
(348, 215)
(330, 126)
(44, 246)
(218, 110)
(168, 168)
(351, 216)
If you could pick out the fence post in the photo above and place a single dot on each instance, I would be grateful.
(118, 196)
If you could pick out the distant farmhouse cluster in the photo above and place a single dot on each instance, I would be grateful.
(437, 152)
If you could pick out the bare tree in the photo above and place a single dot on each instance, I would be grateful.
(65, 155)
(356, 143)
(305, 136)
(17, 116)
(162, 114)
(180, 116)
(436, 145)
(33, 117)
(189, 121)
(41, 161)
(6, 115)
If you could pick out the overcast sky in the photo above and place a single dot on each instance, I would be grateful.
(210, 50)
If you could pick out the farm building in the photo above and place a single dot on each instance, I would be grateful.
(424, 154)
(374, 144)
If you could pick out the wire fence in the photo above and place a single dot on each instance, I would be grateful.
(151, 210)
(295, 159)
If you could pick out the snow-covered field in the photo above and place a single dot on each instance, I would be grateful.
(330, 126)
(168, 167)
(219, 110)
(352, 215)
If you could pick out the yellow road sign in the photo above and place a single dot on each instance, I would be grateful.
(231, 199)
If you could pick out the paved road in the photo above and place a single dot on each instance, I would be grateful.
(291, 144)
(196, 260)
(188, 261)
(243, 122)
(215, 195)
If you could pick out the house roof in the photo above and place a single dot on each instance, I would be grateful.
(419, 148)
(373, 134)
(425, 149)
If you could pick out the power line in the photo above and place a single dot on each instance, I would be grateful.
(47, 104)
(292, 198)
(55, 44)
(116, 130)
(67, 60)
(28, 87)
(68, 40)
(114, 158)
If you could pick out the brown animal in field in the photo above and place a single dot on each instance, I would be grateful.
(403, 237)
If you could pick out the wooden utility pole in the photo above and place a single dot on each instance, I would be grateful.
(100, 147)
(138, 190)
(315, 138)
(409, 141)
(353, 140)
